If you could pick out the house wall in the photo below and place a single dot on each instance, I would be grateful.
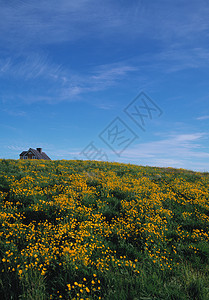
(29, 156)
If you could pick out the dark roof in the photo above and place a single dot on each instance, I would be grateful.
(45, 156)
(21, 154)
(39, 155)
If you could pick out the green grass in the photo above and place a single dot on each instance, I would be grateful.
(95, 230)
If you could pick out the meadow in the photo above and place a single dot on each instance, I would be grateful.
(99, 230)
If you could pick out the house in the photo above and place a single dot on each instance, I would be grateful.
(34, 154)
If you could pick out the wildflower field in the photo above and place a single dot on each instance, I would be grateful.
(98, 230)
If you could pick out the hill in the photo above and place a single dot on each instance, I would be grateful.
(97, 230)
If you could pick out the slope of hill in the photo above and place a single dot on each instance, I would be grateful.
(96, 230)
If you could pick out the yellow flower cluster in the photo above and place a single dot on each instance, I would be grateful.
(70, 215)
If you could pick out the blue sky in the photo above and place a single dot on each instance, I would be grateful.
(71, 70)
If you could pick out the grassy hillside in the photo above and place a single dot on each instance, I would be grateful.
(95, 230)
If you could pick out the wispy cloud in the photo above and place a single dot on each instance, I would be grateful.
(109, 73)
(180, 58)
(27, 27)
(5, 65)
(203, 118)
(15, 113)
(43, 23)
(56, 22)
(176, 150)
(57, 83)
(29, 66)
(103, 77)
(15, 148)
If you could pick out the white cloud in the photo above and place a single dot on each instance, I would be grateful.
(166, 162)
(29, 66)
(202, 118)
(5, 65)
(186, 138)
(15, 148)
(15, 113)
(33, 25)
(176, 150)
(55, 82)
(24, 23)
